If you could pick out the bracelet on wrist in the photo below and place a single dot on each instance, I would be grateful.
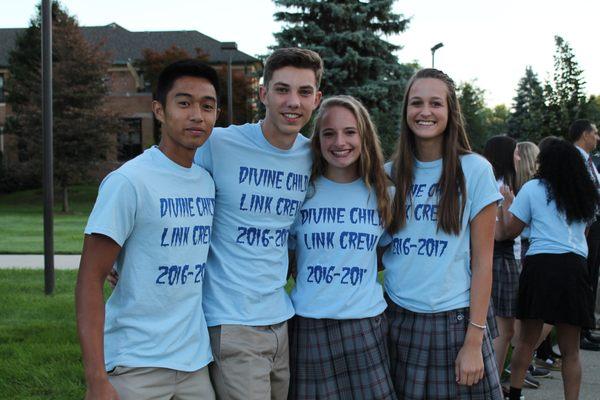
(482, 327)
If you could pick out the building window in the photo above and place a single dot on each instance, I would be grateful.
(129, 141)
(2, 98)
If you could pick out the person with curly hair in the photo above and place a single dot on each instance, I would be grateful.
(554, 286)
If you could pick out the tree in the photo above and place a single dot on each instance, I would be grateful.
(591, 109)
(527, 117)
(472, 104)
(358, 62)
(83, 129)
(568, 85)
(153, 62)
(496, 120)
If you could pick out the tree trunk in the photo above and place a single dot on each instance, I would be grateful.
(65, 199)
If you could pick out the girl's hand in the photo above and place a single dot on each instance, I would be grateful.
(468, 366)
(112, 278)
(508, 194)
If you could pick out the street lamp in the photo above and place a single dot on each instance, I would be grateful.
(433, 49)
(229, 47)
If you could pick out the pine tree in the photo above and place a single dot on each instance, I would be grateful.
(527, 117)
(472, 104)
(83, 129)
(568, 84)
(358, 62)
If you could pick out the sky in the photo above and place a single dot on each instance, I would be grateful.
(486, 42)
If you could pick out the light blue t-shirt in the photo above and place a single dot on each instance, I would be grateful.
(335, 238)
(259, 192)
(427, 270)
(550, 231)
(160, 213)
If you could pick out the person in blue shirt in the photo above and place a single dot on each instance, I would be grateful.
(501, 151)
(153, 219)
(338, 337)
(438, 266)
(554, 285)
(261, 173)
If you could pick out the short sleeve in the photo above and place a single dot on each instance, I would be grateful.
(482, 187)
(115, 209)
(521, 206)
(203, 156)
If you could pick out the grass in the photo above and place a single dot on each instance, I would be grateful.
(21, 221)
(39, 351)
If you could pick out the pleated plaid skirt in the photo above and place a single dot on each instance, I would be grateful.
(423, 349)
(505, 281)
(339, 359)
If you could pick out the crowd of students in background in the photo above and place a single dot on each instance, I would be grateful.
(478, 251)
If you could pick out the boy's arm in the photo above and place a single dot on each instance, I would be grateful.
(97, 259)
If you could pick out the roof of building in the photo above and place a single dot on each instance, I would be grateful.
(126, 46)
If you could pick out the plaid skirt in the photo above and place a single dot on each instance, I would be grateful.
(339, 359)
(423, 349)
(505, 281)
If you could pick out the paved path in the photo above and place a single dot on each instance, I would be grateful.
(551, 388)
(34, 261)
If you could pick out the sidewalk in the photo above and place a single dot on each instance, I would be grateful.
(551, 388)
(35, 261)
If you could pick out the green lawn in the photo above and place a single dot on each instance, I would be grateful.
(22, 227)
(39, 351)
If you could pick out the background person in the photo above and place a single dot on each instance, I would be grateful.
(554, 285)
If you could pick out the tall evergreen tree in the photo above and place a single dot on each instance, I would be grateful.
(83, 129)
(472, 104)
(527, 117)
(568, 84)
(358, 61)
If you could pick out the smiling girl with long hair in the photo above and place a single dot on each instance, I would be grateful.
(439, 261)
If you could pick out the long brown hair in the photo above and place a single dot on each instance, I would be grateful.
(452, 195)
(370, 163)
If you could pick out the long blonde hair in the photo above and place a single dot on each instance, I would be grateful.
(527, 166)
(370, 163)
(455, 143)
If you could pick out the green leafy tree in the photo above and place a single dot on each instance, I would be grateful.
(472, 104)
(527, 117)
(358, 61)
(83, 128)
(153, 62)
(496, 120)
(591, 109)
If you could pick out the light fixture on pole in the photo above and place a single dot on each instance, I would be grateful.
(229, 47)
(433, 49)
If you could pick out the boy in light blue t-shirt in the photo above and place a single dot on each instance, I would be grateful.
(153, 219)
(261, 175)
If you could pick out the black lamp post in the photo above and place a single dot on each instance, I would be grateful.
(433, 49)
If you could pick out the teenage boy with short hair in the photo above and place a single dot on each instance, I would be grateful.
(261, 174)
(153, 218)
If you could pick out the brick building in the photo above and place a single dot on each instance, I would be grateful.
(129, 94)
